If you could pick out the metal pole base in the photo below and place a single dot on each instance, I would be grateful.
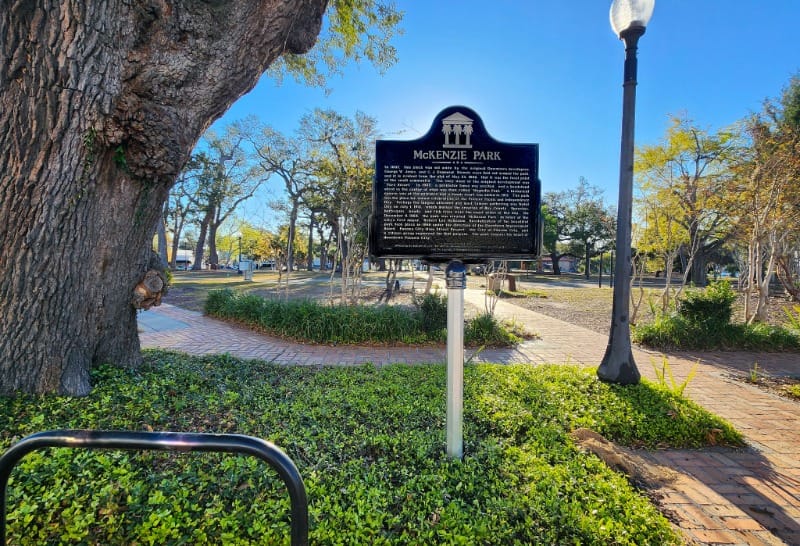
(456, 277)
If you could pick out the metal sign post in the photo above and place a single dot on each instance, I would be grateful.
(456, 276)
(456, 195)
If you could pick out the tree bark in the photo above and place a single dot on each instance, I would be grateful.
(786, 278)
(100, 106)
(213, 255)
(292, 227)
(588, 261)
(311, 241)
(555, 259)
(200, 247)
(324, 246)
(161, 236)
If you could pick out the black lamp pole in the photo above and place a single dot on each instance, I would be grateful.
(618, 365)
(240, 253)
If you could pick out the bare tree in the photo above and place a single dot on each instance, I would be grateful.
(342, 150)
(287, 159)
(178, 209)
(766, 195)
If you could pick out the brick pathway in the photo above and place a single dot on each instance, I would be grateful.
(721, 496)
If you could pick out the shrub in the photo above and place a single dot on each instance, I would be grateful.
(759, 336)
(218, 300)
(308, 320)
(667, 332)
(703, 321)
(433, 314)
(709, 308)
(486, 330)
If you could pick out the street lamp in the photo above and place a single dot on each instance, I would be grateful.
(239, 261)
(628, 19)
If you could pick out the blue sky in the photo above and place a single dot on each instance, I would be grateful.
(550, 72)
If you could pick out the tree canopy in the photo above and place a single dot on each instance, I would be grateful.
(686, 174)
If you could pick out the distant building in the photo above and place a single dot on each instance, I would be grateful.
(566, 264)
(184, 259)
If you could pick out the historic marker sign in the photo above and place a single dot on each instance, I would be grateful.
(456, 193)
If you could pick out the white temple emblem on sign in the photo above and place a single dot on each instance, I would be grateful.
(457, 129)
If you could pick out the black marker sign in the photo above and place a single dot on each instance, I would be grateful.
(456, 193)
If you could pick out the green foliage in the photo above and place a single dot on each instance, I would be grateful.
(485, 330)
(675, 332)
(790, 102)
(793, 317)
(90, 143)
(308, 320)
(433, 314)
(217, 300)
(119, 158)
(168, 276)
(356, 30)
(793, 391)
(754, 373)
(666, 379)
(703, 322)
(369, 444)
(760, 337)
(710, 308)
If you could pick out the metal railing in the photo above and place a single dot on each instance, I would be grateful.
(175, 441)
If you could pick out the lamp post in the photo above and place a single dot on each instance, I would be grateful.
(239, 260)
(628, 19)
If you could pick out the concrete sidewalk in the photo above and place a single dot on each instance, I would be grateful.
(721, 496)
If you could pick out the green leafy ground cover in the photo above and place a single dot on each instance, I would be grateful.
(369, 444)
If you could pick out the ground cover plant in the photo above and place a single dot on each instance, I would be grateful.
(311, 320)
(369, 443)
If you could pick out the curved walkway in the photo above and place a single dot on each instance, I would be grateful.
(721, 496)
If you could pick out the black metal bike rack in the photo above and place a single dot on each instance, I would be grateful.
(174, 441)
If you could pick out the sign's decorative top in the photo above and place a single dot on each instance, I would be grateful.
(455, 193)
(456, 125)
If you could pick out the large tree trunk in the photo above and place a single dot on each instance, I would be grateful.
(213, 255)
(311, 242)
(588, 271)
(177, 230)
(324, 245)
(555, 260)
(699, 273)
(200, 247)
(100, 106)
(292, 228)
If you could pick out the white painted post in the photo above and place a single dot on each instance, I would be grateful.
(456, 277)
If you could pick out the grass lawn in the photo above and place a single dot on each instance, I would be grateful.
(369, 444)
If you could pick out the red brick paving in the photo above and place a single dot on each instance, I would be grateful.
(749, 496)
